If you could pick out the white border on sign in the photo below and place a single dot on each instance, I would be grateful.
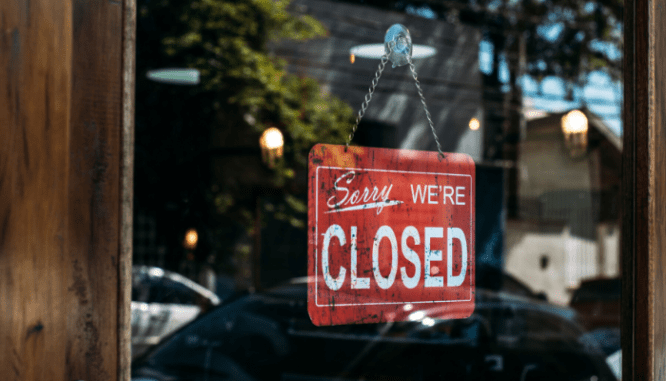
(471, 234)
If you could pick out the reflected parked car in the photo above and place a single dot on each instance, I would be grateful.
(162, 302)
(269, 336)
(597, 302)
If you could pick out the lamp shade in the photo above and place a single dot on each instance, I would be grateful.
(375, 51)
(175, 76)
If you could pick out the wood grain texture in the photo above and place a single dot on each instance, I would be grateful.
(644, 193)
(35, 74)
(127, 194)
(657, 172)
(94, 188)
(61, 96)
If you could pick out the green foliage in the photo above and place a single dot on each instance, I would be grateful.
(589, 35)
(243, 89)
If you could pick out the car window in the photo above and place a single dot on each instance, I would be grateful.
(167, 291)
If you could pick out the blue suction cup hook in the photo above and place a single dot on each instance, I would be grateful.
(398, 45)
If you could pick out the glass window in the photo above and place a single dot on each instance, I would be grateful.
(167, 291)
(231, 97)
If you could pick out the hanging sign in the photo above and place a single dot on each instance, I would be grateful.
(390, 235)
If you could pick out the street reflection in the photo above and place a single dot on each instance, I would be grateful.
(269, 336)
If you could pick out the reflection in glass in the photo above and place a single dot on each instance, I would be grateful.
(574, 127)
(272, 144)
(530, 90)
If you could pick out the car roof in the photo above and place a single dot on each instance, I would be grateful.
(161, 273)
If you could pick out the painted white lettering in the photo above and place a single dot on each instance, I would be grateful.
(333, 202)
(460, 195)
(355, 197)
(448, 195)
(332, 283)
(385, 232)
(432, 194)
(432, 255)
(367, 196)
(356, 282)
(457, 280)
(383, 196)
(371, 199)
(410, 255)
(418, 193)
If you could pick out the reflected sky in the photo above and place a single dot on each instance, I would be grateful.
(601, 94)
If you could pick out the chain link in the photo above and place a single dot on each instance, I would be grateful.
(418, 88)
(368, 97)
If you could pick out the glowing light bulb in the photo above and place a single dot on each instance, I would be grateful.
(272, 138)
(474, 124)
(191, 239)
(574, 122)
(272, 143)
(574, 127)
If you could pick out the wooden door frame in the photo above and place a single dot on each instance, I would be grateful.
(643, 244)
(66, 163)
(126, 193)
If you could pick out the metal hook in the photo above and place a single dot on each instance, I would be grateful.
(397, 49)
(398, 45)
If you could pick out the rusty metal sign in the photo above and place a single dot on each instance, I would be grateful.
(391, 235)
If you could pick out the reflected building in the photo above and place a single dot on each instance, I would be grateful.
(456, 92)
(567, 225)
(453, 88)
(546, 213)
(546, 210)
(451, 80)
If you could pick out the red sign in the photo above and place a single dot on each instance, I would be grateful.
(391, 235)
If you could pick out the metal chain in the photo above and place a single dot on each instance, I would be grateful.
(368, 97)
(418, 87)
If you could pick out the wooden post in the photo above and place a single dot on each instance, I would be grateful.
(644, 192)
(66, 110)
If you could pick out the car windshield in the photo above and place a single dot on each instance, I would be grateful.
(356, 190)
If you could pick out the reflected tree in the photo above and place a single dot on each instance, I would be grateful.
(563, 38)
(197, 147)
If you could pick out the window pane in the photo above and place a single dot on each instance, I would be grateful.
(232, 96)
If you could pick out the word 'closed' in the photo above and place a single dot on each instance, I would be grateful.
(386, 233)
